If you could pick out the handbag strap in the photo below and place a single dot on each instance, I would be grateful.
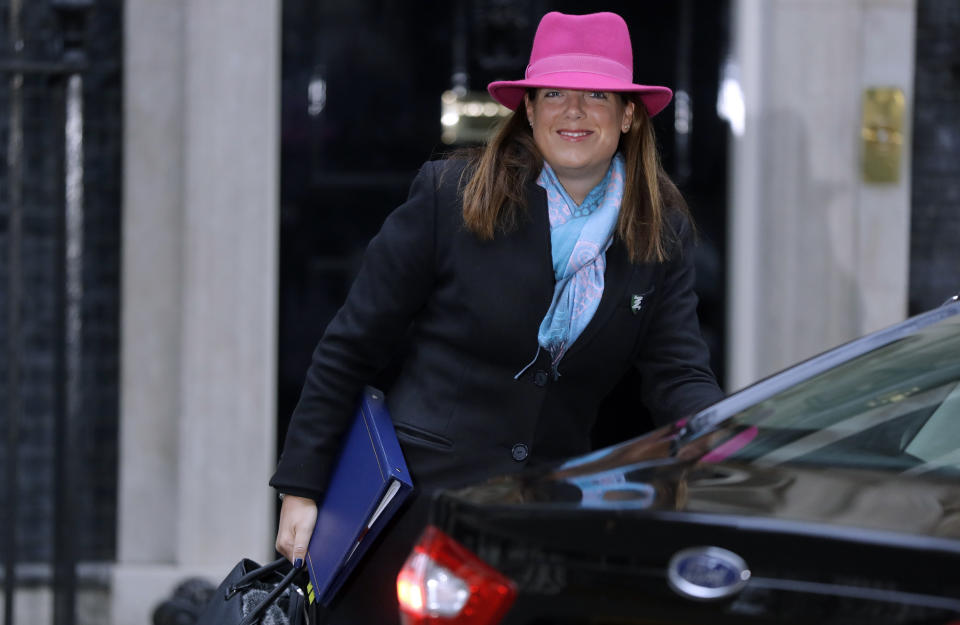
(255, 613)
(247, 580)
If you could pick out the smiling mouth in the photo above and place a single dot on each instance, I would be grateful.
(574, 134)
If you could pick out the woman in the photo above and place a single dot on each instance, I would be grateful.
(529, 279)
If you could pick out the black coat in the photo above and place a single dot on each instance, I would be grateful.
(468, 312)
(475, 308)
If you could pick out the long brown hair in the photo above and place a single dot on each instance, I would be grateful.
(493, 195)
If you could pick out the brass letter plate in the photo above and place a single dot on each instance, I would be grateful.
(881, 135)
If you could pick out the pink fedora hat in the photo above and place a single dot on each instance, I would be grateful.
(581, 52)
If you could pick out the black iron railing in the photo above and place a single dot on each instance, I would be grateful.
(65, 80)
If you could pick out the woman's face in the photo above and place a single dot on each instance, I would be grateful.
(578, 131)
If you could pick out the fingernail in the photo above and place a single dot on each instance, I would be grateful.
(298, 563)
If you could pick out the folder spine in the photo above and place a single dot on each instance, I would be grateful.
(388, 447)
(358, 502)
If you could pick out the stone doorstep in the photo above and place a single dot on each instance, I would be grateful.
(34, 605)
(137, 589)
(108, 593)
(33, 595)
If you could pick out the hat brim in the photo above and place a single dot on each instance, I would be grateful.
(510, 92)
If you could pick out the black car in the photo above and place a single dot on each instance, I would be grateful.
(828, 493)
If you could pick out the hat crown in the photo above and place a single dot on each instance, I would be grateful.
(599, 42)
(585, 52)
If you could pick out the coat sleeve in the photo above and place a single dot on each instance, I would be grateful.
(394, 282)
(674, 360)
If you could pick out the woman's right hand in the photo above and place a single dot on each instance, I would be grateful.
(298, 515)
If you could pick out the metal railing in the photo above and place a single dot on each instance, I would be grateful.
(65, 79)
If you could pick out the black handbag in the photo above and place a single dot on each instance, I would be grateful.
(257, 595)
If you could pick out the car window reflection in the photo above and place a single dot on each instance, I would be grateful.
(895, 409)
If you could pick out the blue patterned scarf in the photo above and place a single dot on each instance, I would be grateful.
(579, 236)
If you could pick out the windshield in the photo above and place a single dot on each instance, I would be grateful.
(896, 408)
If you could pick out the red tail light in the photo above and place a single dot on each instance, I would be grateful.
(443, 583)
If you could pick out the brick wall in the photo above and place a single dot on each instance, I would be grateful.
(95, 443)
(935, 218)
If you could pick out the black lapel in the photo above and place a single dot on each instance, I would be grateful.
(542, 250)
(616, 277)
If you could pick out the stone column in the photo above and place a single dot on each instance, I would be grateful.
(818, 256)
(200, 238)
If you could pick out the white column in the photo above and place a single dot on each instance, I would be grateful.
(742, 96)
(152, 275)
(889, 53)
(818, 256)
(198, 394)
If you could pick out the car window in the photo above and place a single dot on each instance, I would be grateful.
(896, 408)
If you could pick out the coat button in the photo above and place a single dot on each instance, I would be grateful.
(540, 378)
(520, 452)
